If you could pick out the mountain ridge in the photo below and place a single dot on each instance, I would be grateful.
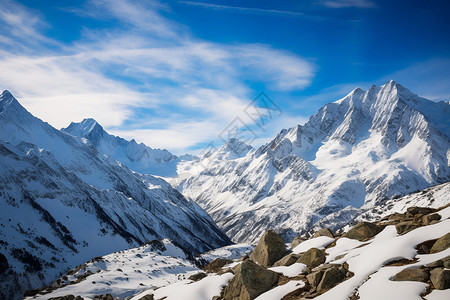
(358, 151)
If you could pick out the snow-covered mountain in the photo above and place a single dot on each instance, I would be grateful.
(64, 202)
(353, 154)
(138, 157)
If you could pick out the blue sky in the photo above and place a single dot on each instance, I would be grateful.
(176, 74)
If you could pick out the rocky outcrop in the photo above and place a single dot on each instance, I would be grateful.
(362, 231)
(412, 274)
(250, 280)
(430, 219)
(440, 278)
(441, 244)
(197, 276)
(312, 258)
(404, 227)
(288, 260)
(331, 277)
(216, 265)
(297, 240)
(323, 232)
(104, 297)
(147, 297)
(270, 248)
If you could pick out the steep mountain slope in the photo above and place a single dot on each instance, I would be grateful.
(63, 202)
(353, 154)
(137, 157)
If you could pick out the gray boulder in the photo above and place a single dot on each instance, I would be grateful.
(312, 258)
(250, 280)
(412, 274)
(270, 248)
(362, 231)
(441, 244)
(331, 277)
(288, 260)
(323, 232)
(440, 278)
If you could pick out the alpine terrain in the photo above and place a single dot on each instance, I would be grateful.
(351, 156)
(64, 202)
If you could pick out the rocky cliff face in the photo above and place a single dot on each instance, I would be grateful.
(352, 155)
(64, 202)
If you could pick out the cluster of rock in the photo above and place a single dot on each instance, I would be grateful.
(252, 277)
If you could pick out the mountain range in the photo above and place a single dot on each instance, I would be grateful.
(352, 155)
(64, 202)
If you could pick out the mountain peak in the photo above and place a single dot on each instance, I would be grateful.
(236, 147)
(6, 99)
(86, 128)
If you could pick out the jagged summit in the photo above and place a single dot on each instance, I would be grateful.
(352, 154)
(235, 147)
(138, 157)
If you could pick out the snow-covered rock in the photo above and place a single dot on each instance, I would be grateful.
(64, 202)
(352, 155)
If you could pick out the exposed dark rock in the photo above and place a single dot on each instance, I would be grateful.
(420, 210)
(427, 219)
(104, 297)
(362, 231)
(331, 277)
(404, 227)
(323, 232)
(216, 265)
(312, 258)
(250, 281)
(424, 247)
(412, 274)
(197, 276)
(67, 297)
(147, 297)
(270, 248)
(314, 278)
(441, 244)
(288, 260)
(440, 278)
(297, 241)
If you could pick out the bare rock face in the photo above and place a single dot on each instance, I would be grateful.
(312, 258)
(250, 280)
(270, 248)
(323, 232)
(412, 274)
(216, 265)
(104, 297)
(331, 277)
(441, 244)
(314, 278)
(404, 227)
(440, 278)
(414, 210)
(297, 240)
(147, 297)
(288, 260)
(427, 219)
(362, 231)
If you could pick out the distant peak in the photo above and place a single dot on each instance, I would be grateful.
(84, 128)
(236, 147)
(6, 93)
(8, 100)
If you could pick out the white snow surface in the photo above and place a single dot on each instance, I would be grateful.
(350, 157)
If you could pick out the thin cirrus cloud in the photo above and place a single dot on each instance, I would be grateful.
(348, 3)
(150, 69)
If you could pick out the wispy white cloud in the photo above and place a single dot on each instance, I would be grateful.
(348, 3)
(255, 10)
(153, 66)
